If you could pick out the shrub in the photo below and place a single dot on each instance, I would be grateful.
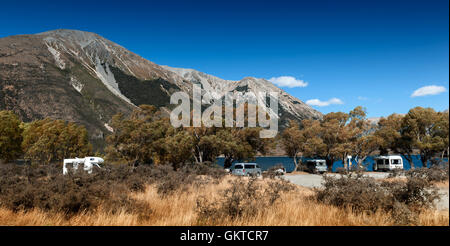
(396, 173)
(46, 188)
(436, 173)
(244, 198)
(189, 174)
(365, 195)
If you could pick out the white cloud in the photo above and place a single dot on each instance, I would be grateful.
(428, 91)
(363, 98)
(317, 102)
(288, 81)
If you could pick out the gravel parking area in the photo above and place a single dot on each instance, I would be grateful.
(315, 180)
(306, 180)
(443, 203)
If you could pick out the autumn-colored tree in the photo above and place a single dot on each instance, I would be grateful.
(365, 142)
(442, 130)
(388, 133)
(334, 137)
(10, 136)
(337, 136)
(292, 139)
(53, 140)
(422, 129)
(312, 133)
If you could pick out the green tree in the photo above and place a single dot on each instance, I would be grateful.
(240, 143)
(233, 143)
(205, 143)
(53, 140)
(178, 146)
(10, 136)
(134, 137)
(147, 137)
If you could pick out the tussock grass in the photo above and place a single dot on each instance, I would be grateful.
(294, 208)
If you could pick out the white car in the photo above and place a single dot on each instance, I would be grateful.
(280, 171)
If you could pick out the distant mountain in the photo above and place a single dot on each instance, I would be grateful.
(374, 120)
(82, 77)
(289, 106)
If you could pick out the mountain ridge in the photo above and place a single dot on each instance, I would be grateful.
(82, 77)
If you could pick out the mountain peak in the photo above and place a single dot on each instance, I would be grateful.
(81, 38)
(82, 77)
(68, 33)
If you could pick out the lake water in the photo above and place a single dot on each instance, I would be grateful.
(267, 162)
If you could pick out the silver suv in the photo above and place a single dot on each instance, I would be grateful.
(246, 169)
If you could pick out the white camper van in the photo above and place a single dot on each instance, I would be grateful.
(388, 163)
(87, 164)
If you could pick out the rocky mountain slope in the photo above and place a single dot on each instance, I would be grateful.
(289, 108)
(81, 77)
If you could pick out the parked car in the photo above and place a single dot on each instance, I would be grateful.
(316, 166)
(277, 170)
(388, 163)
(280, 171)
(246, 169)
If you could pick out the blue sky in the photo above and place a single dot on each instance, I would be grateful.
(370, 53)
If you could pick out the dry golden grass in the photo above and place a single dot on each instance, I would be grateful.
(294, 209)
(442, 185)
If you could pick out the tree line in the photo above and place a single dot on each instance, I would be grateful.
(44, 140)
(143, 137)
(146, 137)
(338, 135)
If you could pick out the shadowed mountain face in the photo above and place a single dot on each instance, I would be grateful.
(81, 77)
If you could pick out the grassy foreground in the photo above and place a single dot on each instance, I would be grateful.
(293, 208)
